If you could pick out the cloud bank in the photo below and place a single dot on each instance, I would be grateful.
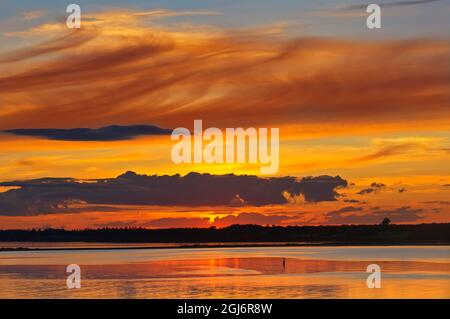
(53, 195)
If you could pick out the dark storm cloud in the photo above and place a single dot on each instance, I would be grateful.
(49, 195)
(108, 133)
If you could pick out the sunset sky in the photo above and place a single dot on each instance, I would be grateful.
(367, 109)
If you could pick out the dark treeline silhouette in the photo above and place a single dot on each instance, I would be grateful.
(346, 234)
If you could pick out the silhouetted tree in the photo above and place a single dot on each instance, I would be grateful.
(385, 222)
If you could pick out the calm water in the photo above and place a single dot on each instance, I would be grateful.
(244, 272)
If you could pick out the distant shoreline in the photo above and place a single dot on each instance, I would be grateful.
(232, 236)
(224, 245)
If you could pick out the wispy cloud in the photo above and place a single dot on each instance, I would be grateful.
(131, 71)
(386, 148)
(32, 15)
(173, 13)
(347, 11)
(64, 42)
(389, 4)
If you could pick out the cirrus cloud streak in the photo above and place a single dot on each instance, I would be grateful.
(170, 77)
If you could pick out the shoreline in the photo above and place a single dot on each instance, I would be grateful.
(224, 245)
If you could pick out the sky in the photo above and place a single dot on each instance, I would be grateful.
(363, 114)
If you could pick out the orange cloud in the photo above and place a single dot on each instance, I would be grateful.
(170, 77)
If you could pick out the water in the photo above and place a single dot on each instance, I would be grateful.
(228, 272)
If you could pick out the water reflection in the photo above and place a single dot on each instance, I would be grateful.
(224, 277)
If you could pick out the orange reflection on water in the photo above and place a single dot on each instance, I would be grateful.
(248, 277)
